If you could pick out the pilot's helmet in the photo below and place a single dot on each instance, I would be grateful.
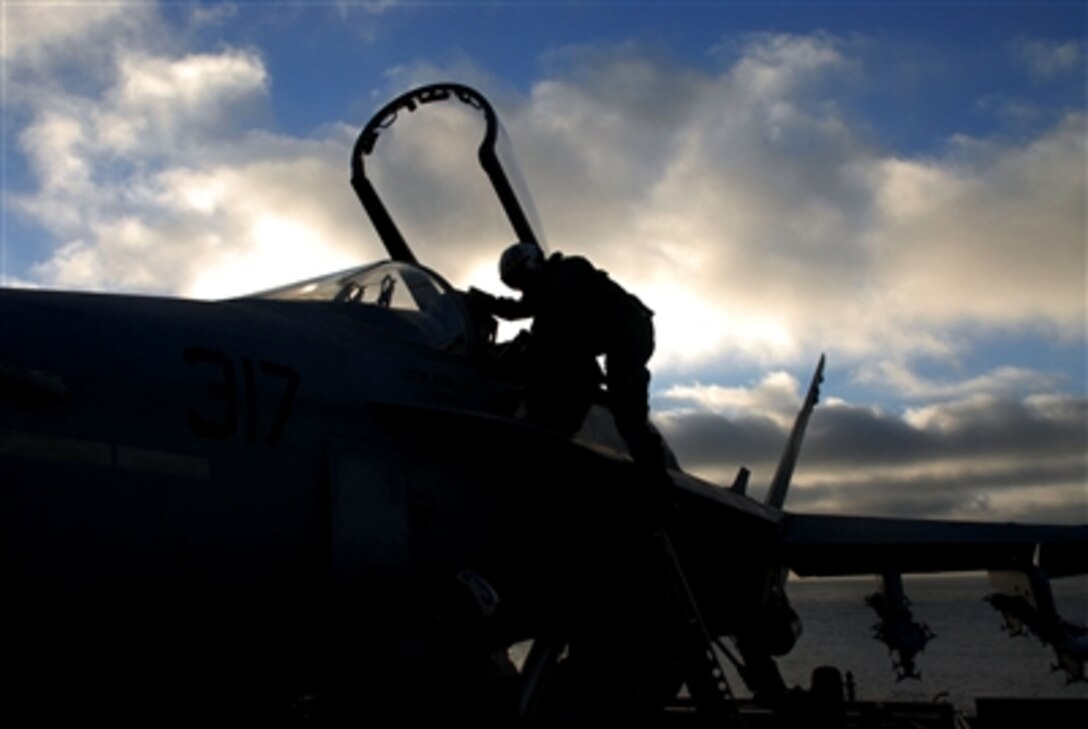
(519, 264)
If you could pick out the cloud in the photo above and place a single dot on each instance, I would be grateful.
(743, 204)
(1014, 112)
(197, 92)
(992, 238)
(977, 449)
(39, 32)
(157, 184)
(775, 396)
(986, 458)
(897, 377)
(1044, 493)
(1047, 59)
(760, 220)
(215, 229)
(676, 181)
(155, 107)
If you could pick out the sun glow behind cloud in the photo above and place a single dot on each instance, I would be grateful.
(691, 329)
(269, 260)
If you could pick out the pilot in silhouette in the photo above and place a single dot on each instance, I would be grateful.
(579, 313)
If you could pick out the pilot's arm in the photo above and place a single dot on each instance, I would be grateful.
(504, 307)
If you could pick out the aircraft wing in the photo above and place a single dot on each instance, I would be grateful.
(471, 433)
(824, 546)
(518, 449)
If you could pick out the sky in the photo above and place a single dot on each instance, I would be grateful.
(898, 185)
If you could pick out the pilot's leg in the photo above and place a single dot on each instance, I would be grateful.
(627, 394)
(560, 389)
(628, 383)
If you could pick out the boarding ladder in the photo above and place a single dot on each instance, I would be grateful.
(704, 673)
(702, 670)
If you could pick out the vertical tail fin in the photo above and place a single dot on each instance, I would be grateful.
(780, 484)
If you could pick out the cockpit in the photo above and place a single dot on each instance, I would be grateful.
(409, 300)
(415, 303)
(401, 297)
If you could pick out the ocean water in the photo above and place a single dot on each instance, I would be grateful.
(971, 656)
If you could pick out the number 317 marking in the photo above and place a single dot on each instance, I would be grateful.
(228, 406)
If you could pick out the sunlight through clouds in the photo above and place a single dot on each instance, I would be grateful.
(776, 395)
(752, 175)
(268, 260)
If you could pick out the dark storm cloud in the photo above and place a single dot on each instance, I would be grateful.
(975, 429)
(990, 458)
(843, 435)
(705, 440)
(1040, 491)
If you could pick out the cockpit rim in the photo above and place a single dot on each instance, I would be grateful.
(331, 289)
(278, 293)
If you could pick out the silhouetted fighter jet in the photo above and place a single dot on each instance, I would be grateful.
(316, 503)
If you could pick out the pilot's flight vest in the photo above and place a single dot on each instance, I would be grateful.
(580, 309)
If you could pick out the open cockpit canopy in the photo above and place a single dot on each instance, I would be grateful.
(431, 189)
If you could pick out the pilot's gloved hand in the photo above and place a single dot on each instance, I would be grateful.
(480, 300)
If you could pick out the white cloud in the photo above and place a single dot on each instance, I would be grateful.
(205, 83)
(679, 182)
(898, 378)
(776, 225)
(155, 186)
(53, 148)
(36, 31)
(997, 240)
(155, 107)
(776, 396)
(1048, 59)
(216, 230)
